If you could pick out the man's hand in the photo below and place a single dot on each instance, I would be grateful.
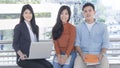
(100, 56)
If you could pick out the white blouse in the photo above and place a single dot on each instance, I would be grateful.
(32, 35)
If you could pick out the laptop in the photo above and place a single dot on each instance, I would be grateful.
(40, 50)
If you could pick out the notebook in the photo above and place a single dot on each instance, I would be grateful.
(91, 59)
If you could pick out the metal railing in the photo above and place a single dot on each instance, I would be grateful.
(8, 57)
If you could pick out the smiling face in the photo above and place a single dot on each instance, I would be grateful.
(27, 15)
(64, 16)
(88, 13)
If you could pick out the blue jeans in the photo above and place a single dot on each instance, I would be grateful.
(70, 65)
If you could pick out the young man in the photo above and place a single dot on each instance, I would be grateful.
(91, 38)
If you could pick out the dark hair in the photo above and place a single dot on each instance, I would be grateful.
(58, 27)
(88, 4)
(33, 23)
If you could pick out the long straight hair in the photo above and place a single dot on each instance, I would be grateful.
(35, 28)
(58, 27)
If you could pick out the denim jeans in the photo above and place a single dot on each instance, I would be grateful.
(70, 65)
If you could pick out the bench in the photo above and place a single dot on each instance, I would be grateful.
(9, 57)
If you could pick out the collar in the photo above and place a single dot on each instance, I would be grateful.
(95, 21)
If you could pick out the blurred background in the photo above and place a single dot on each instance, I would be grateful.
(107, 11)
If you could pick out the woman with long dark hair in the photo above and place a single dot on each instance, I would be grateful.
(63, 34)
(24, 33)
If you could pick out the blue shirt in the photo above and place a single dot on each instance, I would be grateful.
(92, 41)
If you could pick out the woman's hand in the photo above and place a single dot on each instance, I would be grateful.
(23, 56)
(59, 59)
(63, 60)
